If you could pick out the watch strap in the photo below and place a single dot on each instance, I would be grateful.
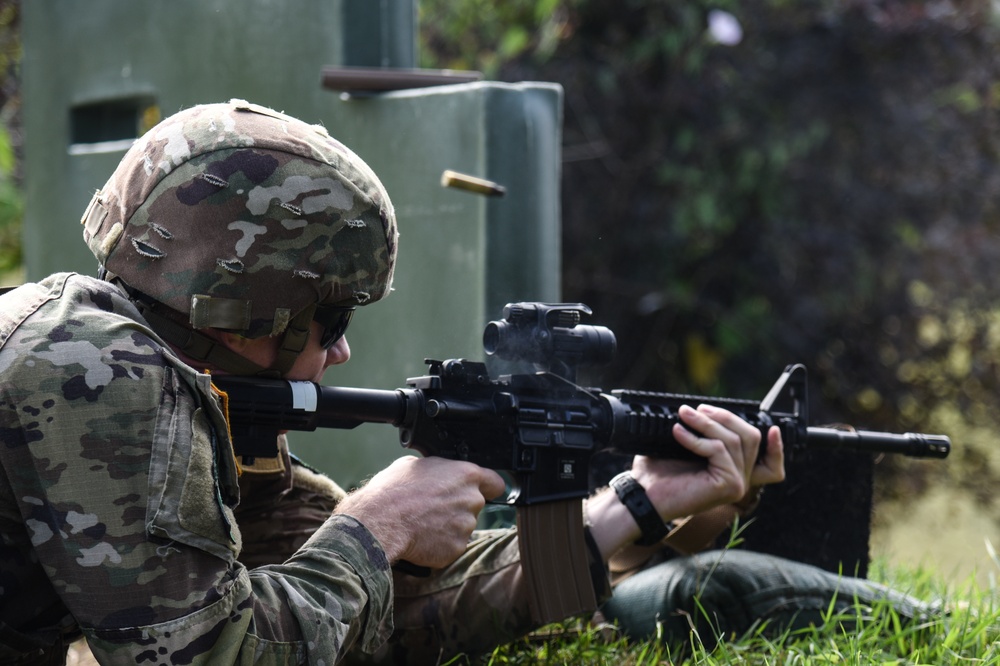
(634, 497)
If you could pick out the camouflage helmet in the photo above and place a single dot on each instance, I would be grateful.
(241, 218)
(240, 203)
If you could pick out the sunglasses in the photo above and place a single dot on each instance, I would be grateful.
(334, 320)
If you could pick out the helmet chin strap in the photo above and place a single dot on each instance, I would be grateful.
(213, 353)
(293, 341)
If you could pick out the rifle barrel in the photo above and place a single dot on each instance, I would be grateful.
(916, 445)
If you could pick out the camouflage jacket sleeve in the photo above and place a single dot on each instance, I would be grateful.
(116, 490)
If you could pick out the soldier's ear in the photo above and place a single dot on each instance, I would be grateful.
(234, 341)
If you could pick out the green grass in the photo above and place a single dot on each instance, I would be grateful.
(969, 633)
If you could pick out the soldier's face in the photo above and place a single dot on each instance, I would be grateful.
(314, 360)
(311, 362)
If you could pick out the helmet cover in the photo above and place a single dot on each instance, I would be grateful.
(241, 217)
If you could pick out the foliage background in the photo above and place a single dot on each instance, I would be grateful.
(820, 187)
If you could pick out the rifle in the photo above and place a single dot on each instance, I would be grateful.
(541, 427)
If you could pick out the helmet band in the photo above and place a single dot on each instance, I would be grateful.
(215, 312)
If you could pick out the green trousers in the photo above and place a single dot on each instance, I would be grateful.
(724, 594)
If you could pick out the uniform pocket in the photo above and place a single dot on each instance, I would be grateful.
(185, 503)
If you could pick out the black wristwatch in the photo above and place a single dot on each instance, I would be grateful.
(633, 496)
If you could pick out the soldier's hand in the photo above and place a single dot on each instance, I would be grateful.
(728, 446)
(423, 510)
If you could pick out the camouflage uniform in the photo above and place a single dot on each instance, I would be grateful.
(116, 506)
(285, 501)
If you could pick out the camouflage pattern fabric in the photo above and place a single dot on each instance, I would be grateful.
(282, 502)
(470, 607)
(116, 498)
(478, 602)
(256, 213)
